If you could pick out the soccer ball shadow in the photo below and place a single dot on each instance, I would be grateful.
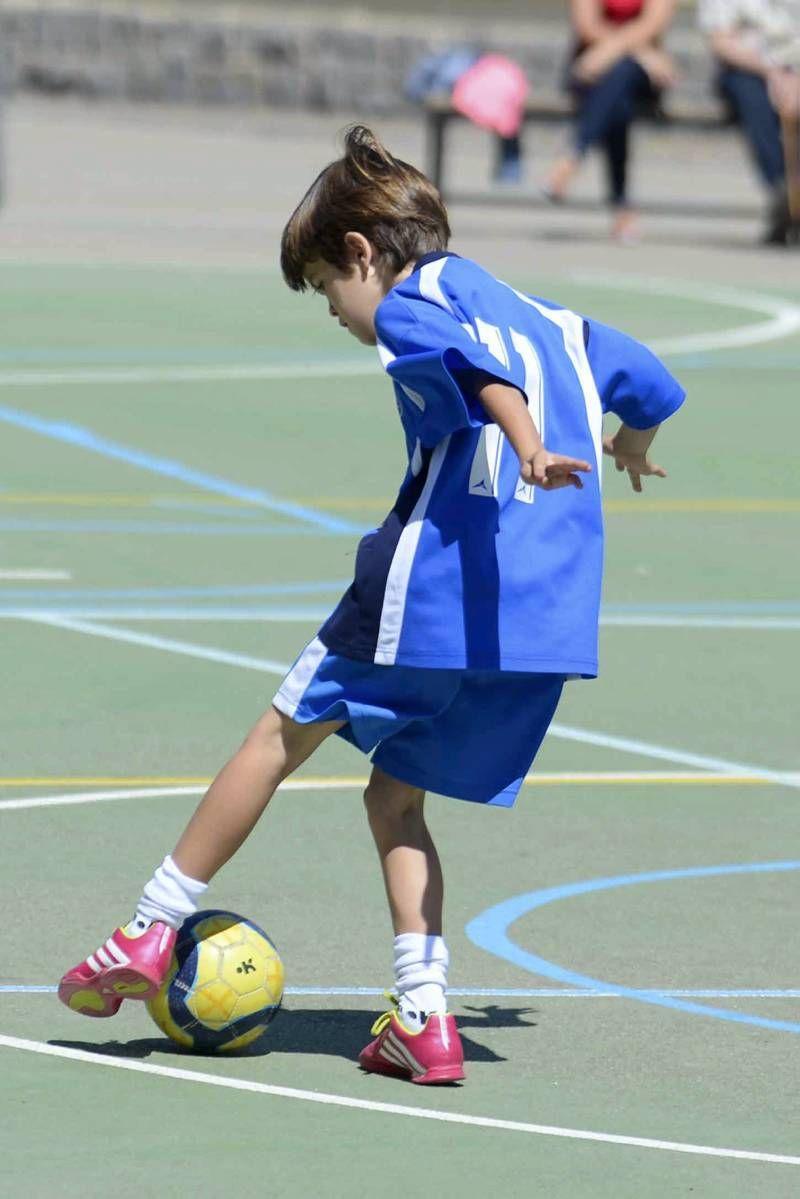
(336, 1032)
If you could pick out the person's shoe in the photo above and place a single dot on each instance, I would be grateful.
(779, 221)
(508, 173)
(625, 228)
(433, 1055)
(559, 178)
(125, 967)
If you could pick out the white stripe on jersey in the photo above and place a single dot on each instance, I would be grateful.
(295, 685)
(534, 390)
(429, 285)
(492, 338)
(385, 354)
(394, 596)
(571, 326)
(484, 475)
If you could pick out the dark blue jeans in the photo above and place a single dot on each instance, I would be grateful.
(747, 95)
(606, 110)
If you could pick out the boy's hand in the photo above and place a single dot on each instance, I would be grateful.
(636, 464)
(551, 471)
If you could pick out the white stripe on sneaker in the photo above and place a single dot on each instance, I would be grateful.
(117, 953)
(93, 963)
(391, 1055)
(400, 1048)
(105, 957)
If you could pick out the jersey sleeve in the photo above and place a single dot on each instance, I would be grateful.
(438, 366)
(631, 381)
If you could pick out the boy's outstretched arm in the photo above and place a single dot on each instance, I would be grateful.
(507, 408)
(628, 447)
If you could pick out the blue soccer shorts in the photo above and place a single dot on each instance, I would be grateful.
(470, 734)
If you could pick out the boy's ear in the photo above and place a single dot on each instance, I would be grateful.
(360, 251)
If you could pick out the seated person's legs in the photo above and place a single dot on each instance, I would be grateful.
(603, 108)
(747, 95)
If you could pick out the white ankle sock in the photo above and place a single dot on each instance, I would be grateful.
(170, 897)
(420, 972)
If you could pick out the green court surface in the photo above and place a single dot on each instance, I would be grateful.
(182, 487)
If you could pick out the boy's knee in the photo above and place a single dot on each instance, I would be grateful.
(386, 798)
(286, 741)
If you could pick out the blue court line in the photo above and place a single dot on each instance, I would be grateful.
(229, 512)
(485, 992)
(489, 931)
(169, 468)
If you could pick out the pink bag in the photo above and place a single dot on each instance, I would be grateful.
(492, 94)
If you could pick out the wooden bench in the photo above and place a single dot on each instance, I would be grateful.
(680, 112)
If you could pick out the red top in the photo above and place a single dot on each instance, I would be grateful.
(620, 11)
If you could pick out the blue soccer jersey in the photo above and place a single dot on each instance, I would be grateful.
(472, 568)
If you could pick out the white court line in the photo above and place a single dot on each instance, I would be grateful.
(784, 321)
(167, 644)
(390, 1109)
(773, 623)
(566, 732)
(784, 316)
(24, 572)
(318, 615)
(647, 749)
(333, 368)
(493, 992)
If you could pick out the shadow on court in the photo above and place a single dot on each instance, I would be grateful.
(338, 1032)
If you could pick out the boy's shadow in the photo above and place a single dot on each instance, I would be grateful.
(338, 1032)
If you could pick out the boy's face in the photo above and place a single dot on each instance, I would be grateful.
(353, 292)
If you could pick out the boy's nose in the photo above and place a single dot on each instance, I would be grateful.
(332, 311)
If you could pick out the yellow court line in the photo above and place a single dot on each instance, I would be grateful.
(112, 499)
(626, 505)
(721, 505)
(606, 778)
(101, 499)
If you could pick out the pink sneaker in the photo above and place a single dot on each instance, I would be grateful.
(433, 1055)
(124, 968)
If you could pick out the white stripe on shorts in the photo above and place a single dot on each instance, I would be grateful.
(295, 685)
(394, 596)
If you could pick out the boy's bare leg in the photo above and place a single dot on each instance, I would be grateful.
(411, 868)
(226, 815)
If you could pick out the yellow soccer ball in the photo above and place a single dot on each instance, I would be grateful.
(224, 984)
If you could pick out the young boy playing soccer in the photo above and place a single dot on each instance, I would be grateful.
(472, 603)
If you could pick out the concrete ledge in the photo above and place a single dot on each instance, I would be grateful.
(281, 57)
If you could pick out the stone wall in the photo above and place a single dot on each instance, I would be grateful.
(334, 60)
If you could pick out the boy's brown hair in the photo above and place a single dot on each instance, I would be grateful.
(367, 191)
